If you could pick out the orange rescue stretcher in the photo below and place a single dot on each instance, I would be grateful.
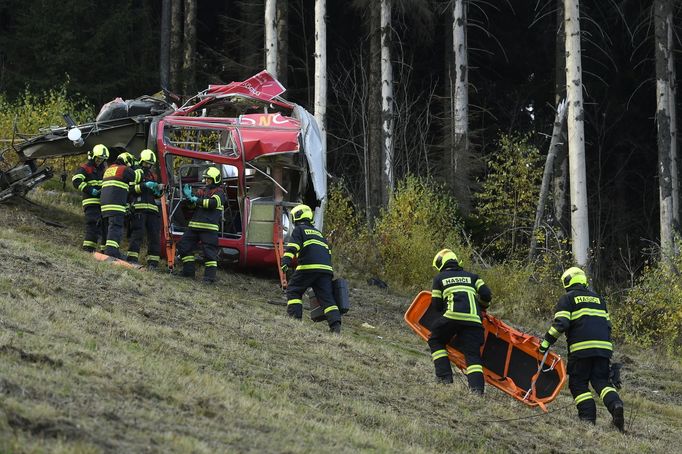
(511, 361)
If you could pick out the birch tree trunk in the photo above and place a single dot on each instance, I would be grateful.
(283, 40)
(164, 51)
(662, 24)
(321, 72)
(580, 233)
(176, 45)
(386, 101)
(374, 159)
(554, 146)
(190, 47)
(457, 166)
(271, 36)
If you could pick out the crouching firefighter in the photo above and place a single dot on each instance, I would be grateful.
(146, 216)
(88, 180)
(204, 226)
(582, 315)
(460, 296)
(115, 186)
(314, 268)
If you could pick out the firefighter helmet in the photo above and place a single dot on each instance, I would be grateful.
(213, 173)
(126, 158)
(444, 256)
(301, 212)
(147, 157)
(99, 151)
(573, 275)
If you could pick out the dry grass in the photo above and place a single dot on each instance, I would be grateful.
(95, 358)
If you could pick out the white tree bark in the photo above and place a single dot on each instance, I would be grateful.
(387, 98)
(321, 72)
(459, 47)
(580, 230)
(662, 24)
(271, 36)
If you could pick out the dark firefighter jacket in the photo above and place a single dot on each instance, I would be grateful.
(454, 294)
(115, 186)
(583, 316)
(86, 178)
(209, 209)
(308, 244)
(143, 197)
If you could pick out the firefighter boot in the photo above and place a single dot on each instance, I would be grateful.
(618, 417)
(335, 328)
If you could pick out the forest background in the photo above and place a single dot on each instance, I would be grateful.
(93, 51)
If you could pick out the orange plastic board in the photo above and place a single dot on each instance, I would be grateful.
(510, 358)
(105, 258)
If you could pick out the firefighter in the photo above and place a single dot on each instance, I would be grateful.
(115, 188)
(204, 226)
(314, 268)
(88, 180)
(146, 216)
(583, 316)
(461, 297)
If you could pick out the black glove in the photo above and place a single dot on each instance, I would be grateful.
(544, 346)
(284, 268)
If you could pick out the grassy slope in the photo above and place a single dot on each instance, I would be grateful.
(95, 358)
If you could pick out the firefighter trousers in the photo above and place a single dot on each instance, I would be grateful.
(594, 371)
(147, 222)
(114, 234)
(467, 339)
(209, 242)
(321, 283)
(93, 228)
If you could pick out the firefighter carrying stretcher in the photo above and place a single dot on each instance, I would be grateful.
(460, 296)
(314, 268)
(115, 186)
(582, 315)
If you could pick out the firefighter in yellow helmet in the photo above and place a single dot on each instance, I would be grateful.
(115, 187)
(460, 296)
(88, 179)
(582, 315)
(146, 214)
(314, 268)
(206, 222)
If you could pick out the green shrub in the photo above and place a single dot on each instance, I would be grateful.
(34, 113)
(421, 219)
(651, 314)
(506, 205)
(346, 230)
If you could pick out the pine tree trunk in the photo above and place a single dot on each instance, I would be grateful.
(674, 164)
(554, 146)
(580, 233)
(560, 180)
(386, 102)
(251, 45)
(321, 71)
(176, 45)
(283, 40)
(271, 36)
(662, 23)
(189, 48)
(164, 51)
